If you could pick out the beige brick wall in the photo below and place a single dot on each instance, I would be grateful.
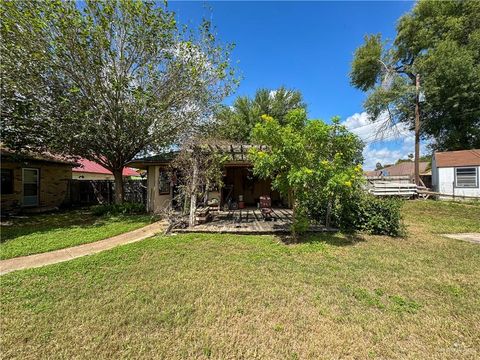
(52, 185)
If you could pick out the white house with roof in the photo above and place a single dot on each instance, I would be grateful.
(456, 173)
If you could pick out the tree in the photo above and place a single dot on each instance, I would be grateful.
(436, 58)
(236, 123)
(423, 158)
(115, 78)
(199, 168)
(310, 163)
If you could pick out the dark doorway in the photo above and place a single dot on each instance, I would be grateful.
(240, 181)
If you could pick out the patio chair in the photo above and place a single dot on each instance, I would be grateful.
(266, 207)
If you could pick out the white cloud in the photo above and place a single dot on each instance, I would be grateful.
(379, 130)
(384, 155)
(394, 143)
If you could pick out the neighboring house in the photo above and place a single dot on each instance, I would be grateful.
(33, 181)
(403, 172)
(89, 170)
(456, 173)
(240, 185)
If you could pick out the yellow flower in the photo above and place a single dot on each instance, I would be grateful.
(348, 183)
(358, 168)
(266, 117)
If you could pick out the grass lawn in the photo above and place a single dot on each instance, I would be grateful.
(40, 233)
(253, 297)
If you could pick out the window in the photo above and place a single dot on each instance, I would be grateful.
(7, 182)
(466, 177)
(30, 187)
(163, 183)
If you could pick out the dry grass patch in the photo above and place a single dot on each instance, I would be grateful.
(253, 297)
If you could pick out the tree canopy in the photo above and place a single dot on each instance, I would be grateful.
(107, 79)
(303, 155)
(441, 42)
(236, 122)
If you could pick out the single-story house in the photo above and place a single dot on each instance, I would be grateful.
(456, 173)
(89, 170)
(240, 185)
(403, 172)
(33, 181)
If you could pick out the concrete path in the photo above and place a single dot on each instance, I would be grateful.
(470, 237)
(53, 257)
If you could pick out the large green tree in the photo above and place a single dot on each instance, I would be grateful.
(311, 163)
(236, 122)
(438, 44)
(107, 79)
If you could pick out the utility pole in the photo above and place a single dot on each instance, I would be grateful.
(417, 130)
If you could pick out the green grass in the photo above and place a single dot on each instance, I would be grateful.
(253, 297)
(41, 233)
(444, 217)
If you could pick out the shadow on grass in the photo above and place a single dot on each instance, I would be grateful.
(44, 223)
(335, 239)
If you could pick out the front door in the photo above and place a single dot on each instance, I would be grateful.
(30, 187)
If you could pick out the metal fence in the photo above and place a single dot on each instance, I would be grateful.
(88, 192)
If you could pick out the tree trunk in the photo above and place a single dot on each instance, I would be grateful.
(329, 213)
(291, 194)
(193, 193)
(417, 130)
(118, 186)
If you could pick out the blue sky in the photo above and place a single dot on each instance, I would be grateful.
(307, 46)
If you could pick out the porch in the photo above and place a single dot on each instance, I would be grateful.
(248, 221)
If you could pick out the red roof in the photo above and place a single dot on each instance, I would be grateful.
(88, 166)
(458, 158)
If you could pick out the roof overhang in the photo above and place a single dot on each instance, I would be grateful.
(237, 155)
(27, 157)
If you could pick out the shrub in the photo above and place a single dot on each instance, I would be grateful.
(374, 215)
(117, 209)
(300, 223)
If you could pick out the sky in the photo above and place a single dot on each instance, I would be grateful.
(307, 46)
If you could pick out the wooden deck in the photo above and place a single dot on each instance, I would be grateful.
(248, 221)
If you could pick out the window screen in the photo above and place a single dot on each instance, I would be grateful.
(466, 177)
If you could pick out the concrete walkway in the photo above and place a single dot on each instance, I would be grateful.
(53, 257)
(470, 237)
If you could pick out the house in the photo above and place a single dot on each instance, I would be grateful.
(89, 170)
(240, 185)
(403, 172)
(456, 173)
(33, 181)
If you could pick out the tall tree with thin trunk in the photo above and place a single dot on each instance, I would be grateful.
(429, 77)
(394, 85)
(110, 78)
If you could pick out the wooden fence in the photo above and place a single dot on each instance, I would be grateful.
(88, 192)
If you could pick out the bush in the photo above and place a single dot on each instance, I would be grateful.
(374, 215)
(300, 223)
(118, 209)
